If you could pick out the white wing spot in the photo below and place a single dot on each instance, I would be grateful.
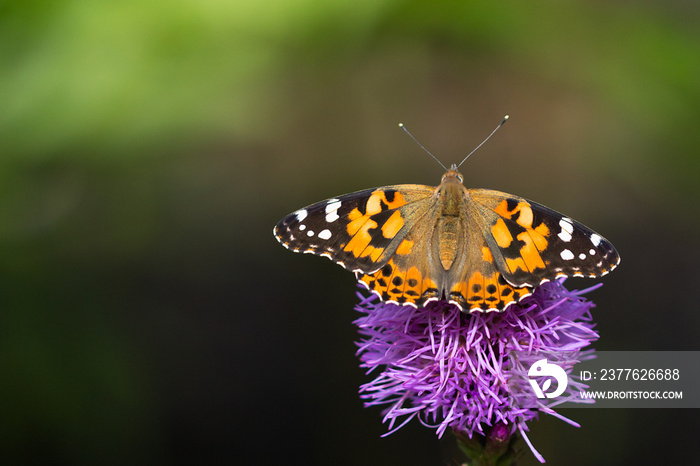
(567, 228)
(596, 239)
(310, 233)
(566, 255)
(302, 227)
(332, 210)
(582, 256)
(591, 252)
(325, 234)
(301, 214)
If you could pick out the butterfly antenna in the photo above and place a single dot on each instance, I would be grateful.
(484, 141)
(421, 145)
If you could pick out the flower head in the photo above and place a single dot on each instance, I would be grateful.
(465, 372)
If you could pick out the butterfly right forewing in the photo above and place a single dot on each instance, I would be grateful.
(532, 243)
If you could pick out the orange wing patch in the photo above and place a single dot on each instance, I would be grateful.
(392, 226)
(522, 209)
(358, 229)
(501, 233)
(379, 197)
(405, 247)
(529, 252)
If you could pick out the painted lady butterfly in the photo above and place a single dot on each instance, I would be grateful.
(480, 249)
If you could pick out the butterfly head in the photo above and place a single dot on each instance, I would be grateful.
(452, 176)
(451, 193)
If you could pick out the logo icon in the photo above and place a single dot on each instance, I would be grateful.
(542, 368)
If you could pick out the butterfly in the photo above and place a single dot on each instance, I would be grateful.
(480, 249)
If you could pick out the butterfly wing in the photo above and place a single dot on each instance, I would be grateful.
(531, 243)
(513, 245)
(360, 231)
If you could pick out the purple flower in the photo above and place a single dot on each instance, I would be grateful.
(468, 372)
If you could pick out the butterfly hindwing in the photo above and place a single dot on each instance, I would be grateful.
(359, 231)
(408, 277)
(483, 287)
(532, 243)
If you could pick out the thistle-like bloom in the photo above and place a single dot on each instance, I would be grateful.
(468, 372)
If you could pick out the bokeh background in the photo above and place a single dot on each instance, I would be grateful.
(147, 148)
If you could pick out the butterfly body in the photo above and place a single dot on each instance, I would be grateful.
(480, 249)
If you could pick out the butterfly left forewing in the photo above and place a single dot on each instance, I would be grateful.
(360, 231)
(531, 243)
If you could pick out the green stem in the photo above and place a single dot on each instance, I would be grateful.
(496, 448)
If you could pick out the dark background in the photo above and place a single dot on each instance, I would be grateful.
(147, 148)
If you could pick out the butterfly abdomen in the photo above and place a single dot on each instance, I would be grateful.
(448, 238)
(448, 241)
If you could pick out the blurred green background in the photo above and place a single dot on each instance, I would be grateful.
(147, 148)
